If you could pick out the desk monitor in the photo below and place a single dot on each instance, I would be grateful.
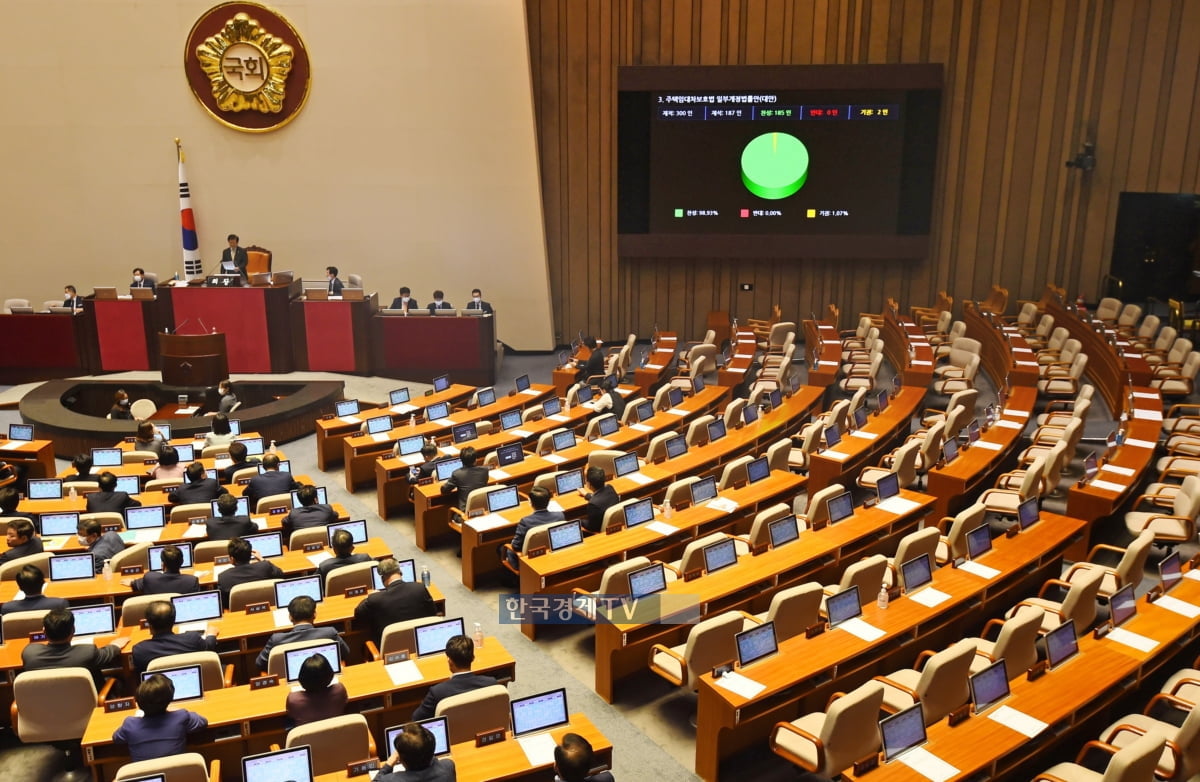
(638, 513)
(881, 400)
(165, 431)
(676, 446)
(72, 567)
(916, 573)
(644, 410)
(860, 417)
(509, 454)
(703, 490)
(973, 431)
(254, 445)
(979, 541)
(186, 452)
(989, 686)
(564, 440)
(756, 643)
(783, 530)
(758, 470)
(431, 639)
(502, 498)
(43, 489)
(1027, 513)
(441, 383)
(607, 424)
(446, 467)
(539, 712)
(146, 517)
(897, 384)
(522, 383)
(59, 524)
(435, 725)
(585, 394)
(106, 457)
(675, 396)
(649, 580)
(749, 414)
(1061, 644)
(266, 544)
(20, 432)
(286, 590)
(346, 407)
(1091, 466)
(104, 292)
(155, 554)
(716, 430)
(295, 658)
(129, 484)
(462, 433)
(1169, 570)
(235, 426)
(887, 486)
(437, 411)
(552, 406)
(510, 419)
(902, 731)
(99, 619)
(565, 535)
(242, 509)
(841, 507)
(569, 481)
(776, 398)
(949, 450)
(408, 573)
(198, 607)
(625, 464)
(485, 396)
(357, 530)
(697, 384)
(843, 606)
(1122, 605)
(719, 555)
(833, 436)
(322, 499)
(411, 445)
(187, 681)
(380, 424)
(399, 396)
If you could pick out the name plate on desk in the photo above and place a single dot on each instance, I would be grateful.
(278, 511)
(315, 546)
(223, 280)
(489, 737)
(356, 591)
(362, 767)
(266, 680)
(119, 704)
(258, 608)
(396, 657)
(131, 570)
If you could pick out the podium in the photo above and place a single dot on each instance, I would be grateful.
(193, 359)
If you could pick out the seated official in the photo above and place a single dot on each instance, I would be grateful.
(343, 554)
(334, 284)
(102, 545)
(594, 365)
(10, 500)
(600, 497)
(108, 498)
(72, 299)
(120, 408)
(197, 487)
(238, 461)
(157, 733)
(170, 579)
(319, 697)
(168, 464)
(310, 513)
(227, 525)
(31, 580)
(221, 433)
(404, 301)
(460, 653)
(477, 302)
(59, 652)
(539, 499)
(414, 748)
(429, 453)
(82, 464)
(247, 567)
(227, 399)
(22, 540)
(164, 641)
(302, 610)
(139, 279)
(271, 481)
(610, 400)
(147, 438)
(439, 302)
(466, 479)
(573, 759)
(398, 601)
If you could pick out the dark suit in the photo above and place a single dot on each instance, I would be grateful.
(603, 776)
(33, 603)
(481, 305)
(399, 601)
(244, 574)
(599, 502)
(114, 501)
(398, 304)
(229, 527)
(203, 490)
(270, 482)
(444, 305)
(440, 770)
(155, 583)
(172, 643)
(308, 516)
(455, 685)
(304, 631)
(75, 303)
(159, 736)
(106, 546)
(238, 256)
(40, 657)
(337, 562)
(335, 287)
(536, 519)
(142, 283)
(226, 475)
(33, 546)
(593, 366)
(465, 480)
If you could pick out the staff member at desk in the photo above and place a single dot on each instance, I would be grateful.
(466, 479)
(30, 580)
(163, 640)
(72, 299)
(227, 398)
(270, 481)
(335, 285)
(170, 581)
(243, 570)
(439, 302)
(139, 279)
(120, 408)
(302, 610)
(600, 498)
(398, 601)
(227, 525)
(594, 364)
(414, 748)
(233, 258)
(102, 545)
(59, 652)
(108, 498)
(404, 300)
(477, 302)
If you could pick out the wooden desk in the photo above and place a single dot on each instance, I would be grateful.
(802, 676)
(421, 347)
(658, 363)
(1111, 373)
(333, 336)
(42, 346)
(622, 648)
(254, 321)
(906, 345)
(36, 457)
(744, 348)
(843, 462)
(1004, 354)
(824, 351)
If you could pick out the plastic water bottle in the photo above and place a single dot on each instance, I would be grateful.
(73, 493)
(107, 571)
(425, 579)
(882, 600)
(478, 635)
(667, 510)
(412, 419)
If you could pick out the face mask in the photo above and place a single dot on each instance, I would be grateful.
(404, 299)
(437, 301)
(66, 297)
(125, 401)
(476, 299)
(82, 539)
(137, 278)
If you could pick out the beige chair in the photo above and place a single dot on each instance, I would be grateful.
(336, 742)
(1134, 763)
(1078, 604)
(614, 581)
(732, 416)
(911, 546)
(1037, 338)
(261, 591)
(348, 576)
(105, 517)
(679, 493)
(1050, 351)
(1006, 500)
(244, 474)
(829, 743)
(19, 624)
(1108, 309)
(958, 330)
(1055, 384)
(1059, 412)
(1016, 643)
(593, 428)
(904, 464)
(734, 473)
(10, 303)
(777, 335)
(793, 610)
(1177, 380)
(1180, 758)
(968, 398)
(213, 451)
(80, 487)
(693, 557)
(271, 501)
(137, 457)
(213, 676)
(858, 350)
(816, 510)
(1129, 569)
(959, 378)
(137, 554)
(399, 636)
(545, 443)
(709, 643)
(760, 533)
(1178, 526)
(133, 610)
(470, 713)
(867, 574)
(810, 440)
(9, 570)
(302, 537)
(187, 767)
(938, 682)
(54, 704)
(961, 351)
(162, 484)
(778, 453)
(277, 660)
(182, 514)
(208, 550)
(697, 431)
(605, 459)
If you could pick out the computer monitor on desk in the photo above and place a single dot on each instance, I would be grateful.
(294, 658)
(293, 765)
(186, 678)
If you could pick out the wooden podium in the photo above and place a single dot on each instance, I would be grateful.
(193, 359)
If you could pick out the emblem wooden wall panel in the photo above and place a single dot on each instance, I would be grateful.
(1026, 83)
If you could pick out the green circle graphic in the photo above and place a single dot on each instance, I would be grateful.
(774, 165)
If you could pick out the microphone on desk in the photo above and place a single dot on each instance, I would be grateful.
(181, 325)
(202, 326)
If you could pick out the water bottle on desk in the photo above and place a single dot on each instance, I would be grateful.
(882, 600)
(478, 635)
(107, 571)
(425, 579)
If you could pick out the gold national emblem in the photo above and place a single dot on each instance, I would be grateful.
(247, 66)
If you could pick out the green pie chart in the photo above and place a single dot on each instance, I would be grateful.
(774, 165)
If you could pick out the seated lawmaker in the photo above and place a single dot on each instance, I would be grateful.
(221, 434)
(139, 279)
(343, 554)
(573, 759)
(169, 580)
(310, 513)
(302, 610)
(59, 652)
(439, 302)
(398, 601)
(10, 500)
(247, 567)
(164, 641)
(270, 481)
(108, 498)
(197, 487)
(414, 748)
(539, 500)
(600, 497)
(404, 301)
(30, 580)
(72, 299)
(82, 464)
(147, 438)
(227, 524)
(239, 460)
(477, 302)
(320, 697)
(168, 464)
(156, 732)
(466, 479)
(460, 653)
(335, 285)
(22, 540)
(102, 545)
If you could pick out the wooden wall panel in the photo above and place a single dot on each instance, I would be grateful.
(1026, 83)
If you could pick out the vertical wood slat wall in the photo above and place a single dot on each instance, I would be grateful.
(1026, 83)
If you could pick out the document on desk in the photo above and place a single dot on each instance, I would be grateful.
(677, 411)
(449, 450)
(522, 433)
(445, 422)
(859, 628)
(928, 764)
(898, 505)
(498, 475)
(1019, 721)
(280, 615)
(662, 528)
(1132, 640)
(600, 441)
(1148, 415)
(412, 459)
(917, 363)
(403, 673)
(740, 685)
(1107, 485)
(837, 456)
(988, 446)
(864, 435)
(554, 506)
(53, 544)
(348, 419)
(1141, 444)
(929, 597)
(1193, 574)
(531, 392)
(639, 478)
(554, 458)
(219, 569)
(319, 557)
(976, 569)
(723, 504)
(538, 748)
(487, 522)
(1009, 411)
(195, 409)
(403, 409)
(641, 427)
(1010, 424)
(1125, 471)
(1177, 606)
(559, 417)
(652, 366)
(380, 437)
(1145, 395)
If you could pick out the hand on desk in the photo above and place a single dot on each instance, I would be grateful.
(212, 629)
(120, 641)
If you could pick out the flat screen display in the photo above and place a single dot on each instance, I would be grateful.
(431, 639)
(568, 481)
(155, 553)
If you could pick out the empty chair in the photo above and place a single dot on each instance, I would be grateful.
(904, 465)
(734, 473)
(938, 682)
(1078, 605)
(1178, 526)
(793, 610)
(778, 454)
(867, 574)
(10, 303)
(697, 431)
(593, 427)
(827, 743)
(1155, 352)
(708, 644)
(732, 416)
(960, 352)
(1133, 763)
(809, 440)
(1016, 642)
(1180, 758)
(1172, 380)
(605, 459)
(1108, 309)
(953, 543)
(958, 378)
(399, 636)
(911, 546)
(1053, 383)
(967, 397)
(208, 550)
(182, 514)
(862, 376)
(212, 675)
(137, 554)
(1060, 411)
(1129, 569)
(693, 556)
(336, 742)
(958, 329)
(777, 335)
(614, 581)
(470, 713)
(242, 595)
(679, 493)
(53, 704)
(759, 529)
(271, 501)
(1127, 320)
(1022, 484)
(185, 767)
(1037, 338)
(814, 509)
(1053, 346)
